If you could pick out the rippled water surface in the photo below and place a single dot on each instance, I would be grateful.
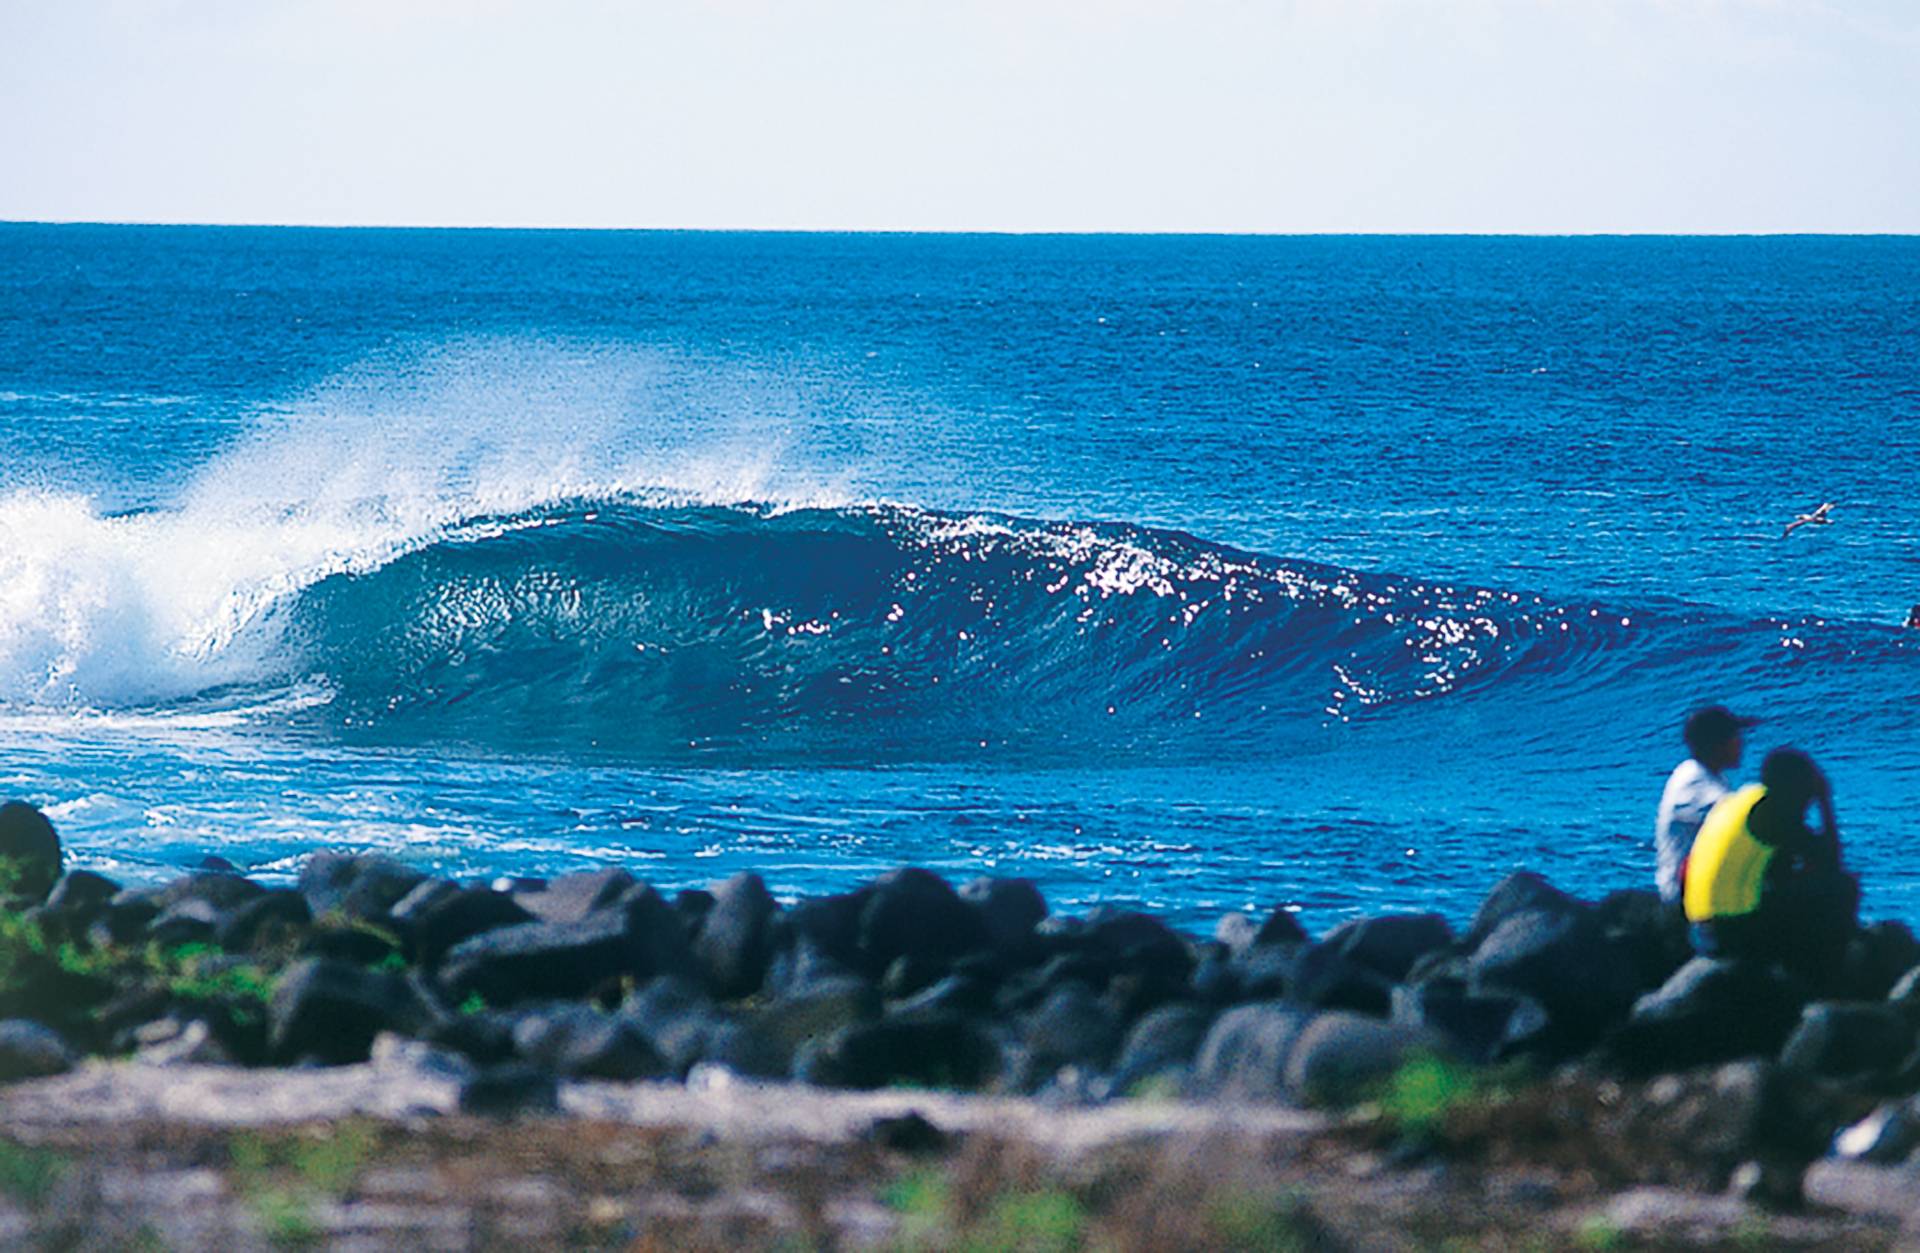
(1201, 572)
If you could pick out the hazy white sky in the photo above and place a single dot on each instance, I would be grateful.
(1216, 115)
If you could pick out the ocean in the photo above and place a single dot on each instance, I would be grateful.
(1346, 574)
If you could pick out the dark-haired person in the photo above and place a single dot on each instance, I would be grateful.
(1715, 741)
(1913, 617)
(1762, 884)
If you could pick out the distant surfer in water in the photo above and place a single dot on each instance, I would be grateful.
(1913, 618)
(1817, 518)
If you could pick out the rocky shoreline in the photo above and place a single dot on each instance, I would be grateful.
(1573, 1043)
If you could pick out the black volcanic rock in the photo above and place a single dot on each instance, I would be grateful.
(510, 1090)
(1009, 908)
(435, 918)
(1478, 1026)
(1244, 1054)
(638, 938)
(915, 913)
(1281, 927)
(1389, 945)
(273, 915)
(585, 1043)
(82, 894)
(735, 941)
(1562, 960)
(1341, 1057)
(1322, 975)
(1073, 1027)
(1709, 1011)
(29, 1050)
(939, 1050)
(191, 921)
(1848, 1040)
(1161, 1046)
(223, 890)
(1518, 892)
(572, 897)
(330, 1011)
(29, 843)
(365, 886)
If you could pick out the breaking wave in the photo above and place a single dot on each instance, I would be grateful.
(653, 626)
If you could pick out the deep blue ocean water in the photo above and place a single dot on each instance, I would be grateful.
(1205, 573)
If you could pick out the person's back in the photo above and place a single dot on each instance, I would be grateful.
(1715, 741)
(1761, 884)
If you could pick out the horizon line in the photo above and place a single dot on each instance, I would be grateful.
(1007, 232)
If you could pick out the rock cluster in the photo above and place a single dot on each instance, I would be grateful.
(906, 980)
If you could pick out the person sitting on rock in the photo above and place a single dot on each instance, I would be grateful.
(1715, 741)
(1762, 885)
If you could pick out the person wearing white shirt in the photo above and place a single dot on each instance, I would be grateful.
(1715, 740)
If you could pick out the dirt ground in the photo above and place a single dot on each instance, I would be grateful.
(122, 1156)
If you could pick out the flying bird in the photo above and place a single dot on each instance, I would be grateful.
(1817, 518)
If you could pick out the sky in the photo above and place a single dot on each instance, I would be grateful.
(1284, 116)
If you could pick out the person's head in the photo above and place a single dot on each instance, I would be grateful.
(1716, 737)
(1791, 775)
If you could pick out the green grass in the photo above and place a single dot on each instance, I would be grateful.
(327, 1163)
(1029, 1220)
(28, 1174)
(1044, 1221)
(1259, 1222)
(286, 1219)
(921, 1198)
(281, 1178)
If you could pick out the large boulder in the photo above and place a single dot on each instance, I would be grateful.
(573, 897)
(735, 941)
(1072, 1027)
(1138, 943)
(82, 895)
(1322, 975)
(223, 890)
(1389, 945)
(192, 921)
(1849, 1040)
(585, 1043)
(638, 939)
(1244, 1055)
(275, 916)
(1234, 933)
(1562, 960)
(829, 926)
(813, 1013)
(436, 917)
(1652, 933)
(1266, 972)
(1281, 927)
(916, 913)
(937, 1051)
(1709, 1011)
(330, 1011)
(1160, 1048)
(1478, 1026)
(364, 886)
(29, 1050)
(1009, 909)
(1876, 958)
(1339, 1058)
(30, 846)
(1519, 892)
